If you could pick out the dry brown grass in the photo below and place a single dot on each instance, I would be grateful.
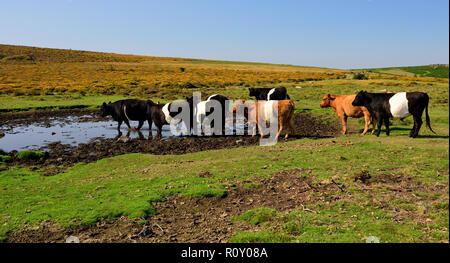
(38, 71)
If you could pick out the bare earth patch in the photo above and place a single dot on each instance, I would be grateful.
(190, 219)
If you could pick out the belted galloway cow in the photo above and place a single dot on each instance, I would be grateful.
(383, 106)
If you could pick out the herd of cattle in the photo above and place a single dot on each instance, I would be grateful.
(376, 108)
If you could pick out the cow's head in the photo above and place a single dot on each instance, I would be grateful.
(326, 100)
(253, 92)
(105, 109)
(362, 99)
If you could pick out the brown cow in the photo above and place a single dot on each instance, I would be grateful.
(253, 114)
(342, 106)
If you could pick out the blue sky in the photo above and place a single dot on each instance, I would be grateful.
(326, 33)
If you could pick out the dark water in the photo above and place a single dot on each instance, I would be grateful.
(68, 131)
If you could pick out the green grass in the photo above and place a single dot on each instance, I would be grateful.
(263, 236)
(29, 155)
(420, 71)
(5, 158)
(338, 222)
(127, 184)
(23, 103)
(245, 63)
(258, 215)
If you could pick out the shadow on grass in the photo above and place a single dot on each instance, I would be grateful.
(433, 136)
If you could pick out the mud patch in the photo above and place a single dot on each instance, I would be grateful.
(83, 126)
(64, 155)
(189, 219)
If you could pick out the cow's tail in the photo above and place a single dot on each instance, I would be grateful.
(428, 116)
(291, 114)
(125, 112)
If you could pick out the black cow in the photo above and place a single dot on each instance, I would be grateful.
(164, 114)
(269, 93)
(383, 106)
(126, 111)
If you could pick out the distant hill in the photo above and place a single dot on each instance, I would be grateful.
(25, 54)
(435, 71)
(37, 71)
(34, 54)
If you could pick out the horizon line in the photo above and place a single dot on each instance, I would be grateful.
(223, 60)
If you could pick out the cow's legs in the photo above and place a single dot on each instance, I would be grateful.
(366, 123)
(150, 133)
(260, 130)
(379, 123)
(141, 123)
(372, 121)
(141, 136)
(159, 130)
(279, 131)
(413, 130)
(127, 123)
(291, 128)
(119, 124)
(417, 115)
(417, 125)
(344, 124)
(386, 123)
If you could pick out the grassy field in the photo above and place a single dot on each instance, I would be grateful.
(435, 71)
(125, 186)
(407, 199)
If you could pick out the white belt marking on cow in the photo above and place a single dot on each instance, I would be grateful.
(166, 112)
(211, 97)
(201, 111)
(270, 93)
(399, 105)
(268, 109)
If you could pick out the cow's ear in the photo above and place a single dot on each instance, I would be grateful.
(110, 102)
(104, 104)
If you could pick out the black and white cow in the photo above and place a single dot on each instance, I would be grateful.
(202, 111)
(164, 114)
(126, 111)
(383, 106)
(269, 94)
